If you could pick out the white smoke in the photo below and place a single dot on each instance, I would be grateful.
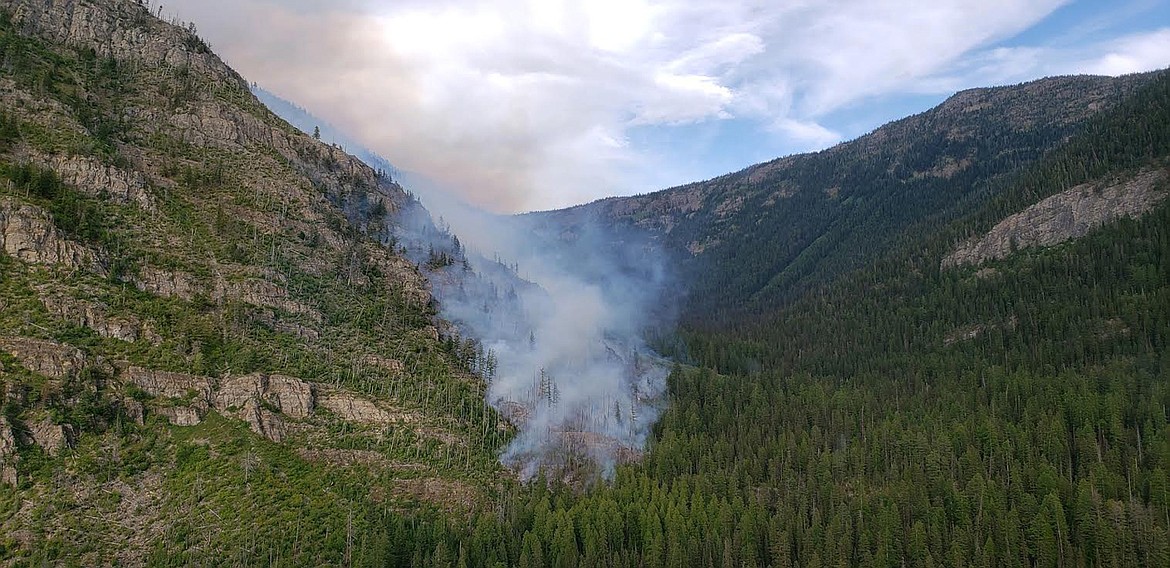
(554, 323)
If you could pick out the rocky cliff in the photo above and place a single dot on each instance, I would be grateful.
(1065, 216)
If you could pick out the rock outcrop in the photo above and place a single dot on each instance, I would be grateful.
(166, 283)
(124, 30)
(181, 415)
(53, 437)
(134, 410)
(27, 233)
(250, 290)
(353, 408)
(260, 292)
(290, 395)
(171, 385)
(100, 180)
(8, 456)
(94, 316)
(47, 358)
(392, 365)
(263, 421)
(260, 400)
(1062, 217)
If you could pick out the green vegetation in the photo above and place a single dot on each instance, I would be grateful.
(1007, 415)
(854, 404)
(1002, 469)
(81, 218)
(269, 277)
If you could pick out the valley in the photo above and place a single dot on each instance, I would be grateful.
(225, 341)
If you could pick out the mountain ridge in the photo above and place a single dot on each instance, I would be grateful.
(219, 347)
(816, 216)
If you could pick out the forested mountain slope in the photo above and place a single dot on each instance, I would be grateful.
(207, 353)
(935, 285)
(751, 241)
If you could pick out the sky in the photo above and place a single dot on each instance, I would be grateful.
(519, 105)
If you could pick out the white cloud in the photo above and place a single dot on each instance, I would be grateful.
(1138, 52)
(526, 103)
(1133, 54)
(808, 134)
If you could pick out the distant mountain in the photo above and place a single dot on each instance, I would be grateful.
(752, 241)
(1061, 253)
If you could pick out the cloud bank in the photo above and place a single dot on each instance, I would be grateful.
(527, 104)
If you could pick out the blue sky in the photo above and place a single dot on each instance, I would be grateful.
(528, 104)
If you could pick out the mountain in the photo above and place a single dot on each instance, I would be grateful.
(220, 343)
(1109, 174)
(988, 387)
(751, 241)
(207, 352)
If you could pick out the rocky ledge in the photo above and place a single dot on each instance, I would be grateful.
(1063, 217)
(27, 233)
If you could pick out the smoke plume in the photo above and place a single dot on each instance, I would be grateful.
(555, 324)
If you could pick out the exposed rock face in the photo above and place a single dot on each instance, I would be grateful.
(47, 358)
(94, 316)
(181, 415)
(292, 396)
(27, 233)
(246, 397)
(261, 293)
(393, 365)
(354, 408)
(53, 437)
(1062, 217)
(135, 410)
(168, 284)
(97, 179)
(235, 392)
(263, 421)
(124, 30)
(8, 455)
(250, 290)
(170, 385)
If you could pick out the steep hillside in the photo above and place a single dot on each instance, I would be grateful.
(207, 352)
(750, 241)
